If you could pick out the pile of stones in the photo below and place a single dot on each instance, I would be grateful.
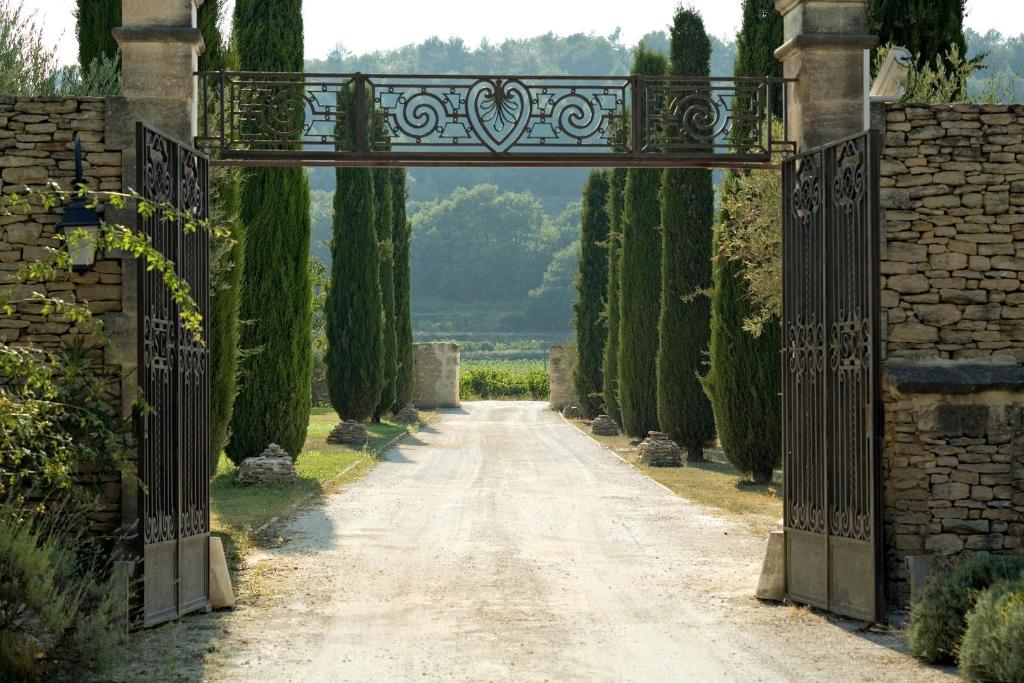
(349, 433)
(572, 413)
(407, 415)
(604, 425)
(657, 450)
(272, 467)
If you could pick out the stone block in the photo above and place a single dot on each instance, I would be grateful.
(771, 585)
(944, 544)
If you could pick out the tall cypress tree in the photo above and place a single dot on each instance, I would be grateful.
(592, 285)
(95, 19)
(610, 368)
(687, 217)
(640, 294)
(355, 342)
(384, 217)
(928, 28)
(227, 260)
(744, 381)
(402, 241)
(274, 395)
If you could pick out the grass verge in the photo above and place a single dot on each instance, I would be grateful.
(238, 512)
(714, 484)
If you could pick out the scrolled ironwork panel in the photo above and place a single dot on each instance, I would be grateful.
(831, 431)
(174, 383)
(496, 120)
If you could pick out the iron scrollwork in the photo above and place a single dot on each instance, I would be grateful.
(489, 119)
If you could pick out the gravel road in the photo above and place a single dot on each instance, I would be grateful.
(502, 544)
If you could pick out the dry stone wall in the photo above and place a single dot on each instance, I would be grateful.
(952, 187)
(952, 195)
(36, 147)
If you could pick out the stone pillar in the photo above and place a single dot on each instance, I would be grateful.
(561, 361)
(160, 47)
(436, 371)
(823, 49)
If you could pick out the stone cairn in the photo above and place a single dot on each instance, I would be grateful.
(350, 433)
(657, 450)
(604, 425)
(572, 413)
(407, 415)
(272, 467)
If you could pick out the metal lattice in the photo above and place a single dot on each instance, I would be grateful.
(174, 381)
(831, 422)
(259, 118)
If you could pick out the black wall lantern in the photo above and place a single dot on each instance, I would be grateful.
(81, 219)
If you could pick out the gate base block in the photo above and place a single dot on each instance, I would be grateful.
(772, 583)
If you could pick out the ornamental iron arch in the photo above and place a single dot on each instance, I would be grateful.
(251, 118)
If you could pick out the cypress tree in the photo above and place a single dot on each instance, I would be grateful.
(402, 241)
(274, 395)
(592, 285)
(355, 341)
(928, 28)
(744, 381)
(687, 217)
(640, 293)
(226, 259)
(384, 217)
(610, 369)
(95, 19)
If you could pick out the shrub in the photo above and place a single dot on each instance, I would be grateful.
(50, 607)
(938, 616)
(993, 646)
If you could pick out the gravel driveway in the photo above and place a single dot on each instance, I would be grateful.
(502, 544)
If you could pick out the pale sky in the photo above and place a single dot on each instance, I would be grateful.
(383, 24)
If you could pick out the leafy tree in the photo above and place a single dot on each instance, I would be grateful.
(687, 216)
(95, 19)
(355, 341)
(928, 28)
(592, 285)
(385, 218)
(274, 394)
(640, 295)
(744, 380)
(610, 368)
(504, 241)
(401, 236)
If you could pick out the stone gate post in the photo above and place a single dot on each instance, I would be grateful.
(824, 43)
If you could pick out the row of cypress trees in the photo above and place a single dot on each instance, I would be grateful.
(658, 260)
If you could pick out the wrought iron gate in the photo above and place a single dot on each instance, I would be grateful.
(174, 381)
(831, 422)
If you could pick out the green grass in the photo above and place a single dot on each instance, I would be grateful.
(504, 379)
(236, 511)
